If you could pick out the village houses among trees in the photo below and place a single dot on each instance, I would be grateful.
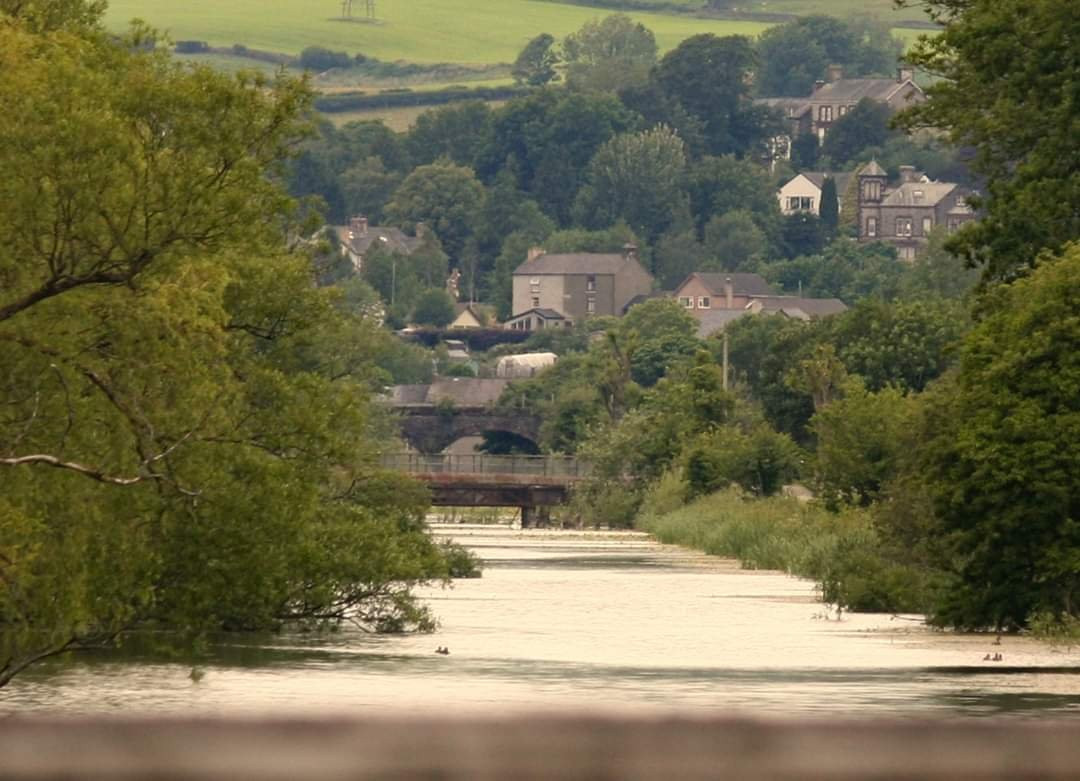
(745, 264)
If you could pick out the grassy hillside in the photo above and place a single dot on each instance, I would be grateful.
(472, 31)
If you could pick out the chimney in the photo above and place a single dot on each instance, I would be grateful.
(834, 73)
(358, 226)
(629, 251)
(534, 253)
(818, 84)
(729, 293)
(908, 174)
(905, 73)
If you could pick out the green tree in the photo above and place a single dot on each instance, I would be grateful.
(830, 209)
(1019, 113)
(187, 440)
(1001, 440)
(734, 242)
(535, 65)
(635, 178)
(445, 197)
(609, 54)
(709, 77)
(864, 127)
(860, 441)
(434, 307)
(458, 132)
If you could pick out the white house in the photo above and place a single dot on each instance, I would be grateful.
(803, 193)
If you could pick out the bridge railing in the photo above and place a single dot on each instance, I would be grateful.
(484, 464)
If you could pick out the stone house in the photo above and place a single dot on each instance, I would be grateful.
(832, 98)
(357, 238)
(577, 285)
(905, 214)
(703, 291)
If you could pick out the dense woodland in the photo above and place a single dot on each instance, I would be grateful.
(187, 435)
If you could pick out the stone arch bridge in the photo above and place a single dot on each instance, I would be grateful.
(434, 416)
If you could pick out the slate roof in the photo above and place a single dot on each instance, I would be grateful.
(396, 239)
(575, 263)
(743, 284)
(854, 90)
(818, 178)
(712, 320)
(872, 169)
(547, 314)
(812, 307)
(908, 194)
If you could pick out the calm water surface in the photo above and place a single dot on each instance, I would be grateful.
(592, 621)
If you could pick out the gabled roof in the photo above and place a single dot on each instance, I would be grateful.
(742, 284)
(546, 314)
(872, 169)
(599, 263)
(919, 194)
(818, 178)
(792, 305)
(710, 321)
(854, 90)
(395, 239)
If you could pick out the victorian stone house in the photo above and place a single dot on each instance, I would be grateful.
(904, 214)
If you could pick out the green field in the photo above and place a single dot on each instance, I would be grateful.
(468, 31)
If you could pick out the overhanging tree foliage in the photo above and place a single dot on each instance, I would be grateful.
(1008, 72)
(186, 436)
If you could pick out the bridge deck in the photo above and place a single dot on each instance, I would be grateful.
(516, 469)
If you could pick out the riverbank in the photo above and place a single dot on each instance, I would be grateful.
(842, 552)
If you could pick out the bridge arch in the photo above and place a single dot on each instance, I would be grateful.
(432, 429)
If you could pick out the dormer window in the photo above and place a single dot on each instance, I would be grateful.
(918, 196)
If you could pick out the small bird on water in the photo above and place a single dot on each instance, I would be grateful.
(442, 649)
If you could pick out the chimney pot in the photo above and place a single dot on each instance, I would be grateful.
(630, 251)
(819, 84)
(905, 73)
(729, 293)
(908, 174)
(835, 73)
(534, 253)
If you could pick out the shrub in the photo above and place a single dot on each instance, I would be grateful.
(192, 47)
(317, 58)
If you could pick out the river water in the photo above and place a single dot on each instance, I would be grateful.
(593, 621)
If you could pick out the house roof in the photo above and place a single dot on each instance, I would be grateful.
(854, 90)
(395, 239)
(710, 321)
(818, 178)
(812, 307)
(872, 169)
(546, 314)
(743, 284)
(576, 263)
(918, 194)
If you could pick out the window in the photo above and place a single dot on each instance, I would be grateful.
(590, 282)
(927, 225)
(953, 224)
(871, 190)
(687, 301)
(871, 226)
(800, 204)
(590, 305)
(841, 111)
(824, 113)
(903, 226)
(536, 302)
(917, 196)
(704, 302)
